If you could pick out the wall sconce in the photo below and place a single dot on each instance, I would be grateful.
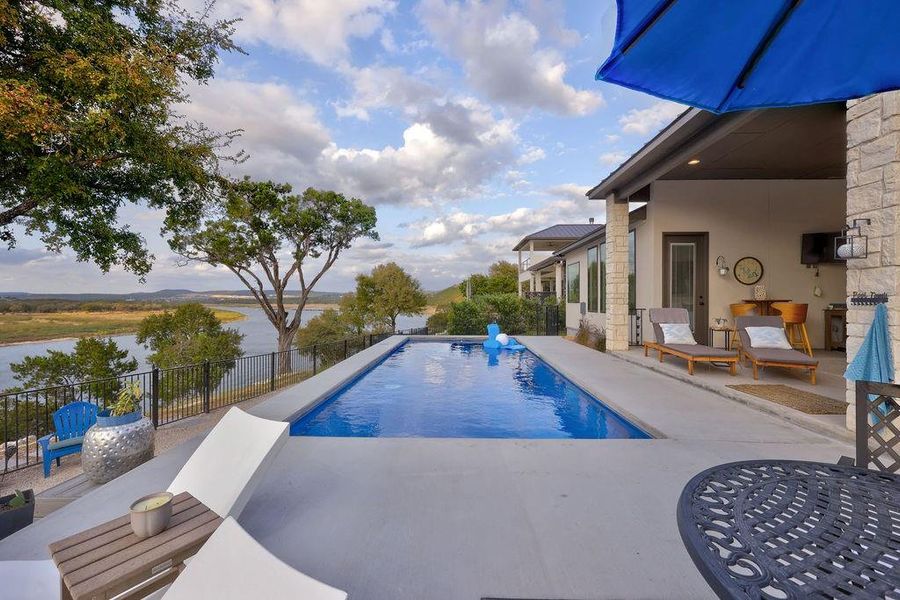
(722, 266)
(852, 244)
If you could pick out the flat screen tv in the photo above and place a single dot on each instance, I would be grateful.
(818, 248)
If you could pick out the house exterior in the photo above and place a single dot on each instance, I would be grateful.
(719, 188)
(539, 270)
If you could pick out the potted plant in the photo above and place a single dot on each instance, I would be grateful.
(120, 440)
(16, 512)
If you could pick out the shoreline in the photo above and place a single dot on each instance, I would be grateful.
(109, 334)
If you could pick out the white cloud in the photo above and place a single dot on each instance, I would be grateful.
(463, 226)
(650, 119)
(532, 154)
(317, 29)
(384, 87)
(448, 151)
(503, 57)
(614, 158)
(387, 41)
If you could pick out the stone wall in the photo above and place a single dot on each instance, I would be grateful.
(873, 192)
(616, 275)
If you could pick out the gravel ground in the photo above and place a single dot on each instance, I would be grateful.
(167, 437)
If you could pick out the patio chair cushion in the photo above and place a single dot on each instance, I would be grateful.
(768, 337)
(677, 333)
(701, 351)
(778, 355)
(72, 441)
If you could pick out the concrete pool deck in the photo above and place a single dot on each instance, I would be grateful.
(465, 518)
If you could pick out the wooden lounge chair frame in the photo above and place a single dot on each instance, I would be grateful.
(769, 321)
(680, 315)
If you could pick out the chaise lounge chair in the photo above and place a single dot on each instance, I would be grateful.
(223, 472)
(692, 353)
(233, 566)
(772, 357)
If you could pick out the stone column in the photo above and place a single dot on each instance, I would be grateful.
(616, 275)
(558, 272)
(873, 192)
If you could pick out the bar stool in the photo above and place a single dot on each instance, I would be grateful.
(794, 317)
(741, 309)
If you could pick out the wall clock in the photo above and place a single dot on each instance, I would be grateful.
(748, 270)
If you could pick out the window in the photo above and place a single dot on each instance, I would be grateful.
(632, 274)
(573, 282)
(603, 277)
(593, 283)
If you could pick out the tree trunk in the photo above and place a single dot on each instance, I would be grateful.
(285, 344)
(393, 323)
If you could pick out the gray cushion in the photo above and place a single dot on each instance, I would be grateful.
(73, 441)
(700, 351)
(778, 355)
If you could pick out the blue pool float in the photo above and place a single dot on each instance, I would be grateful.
(491, 343)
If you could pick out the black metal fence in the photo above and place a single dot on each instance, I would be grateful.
(878, 426)
(545, 319)
(636, 327)
(169, 395)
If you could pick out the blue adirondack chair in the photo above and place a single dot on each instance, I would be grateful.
(71, 422)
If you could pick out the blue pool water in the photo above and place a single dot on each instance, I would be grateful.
(459, 390)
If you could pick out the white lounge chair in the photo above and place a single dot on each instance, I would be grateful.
(223, 472)
(234, 566)
(225, 469)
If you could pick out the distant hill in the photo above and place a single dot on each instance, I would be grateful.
(445, 296)
(175, 296)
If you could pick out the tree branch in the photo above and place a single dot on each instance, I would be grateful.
(23, 208)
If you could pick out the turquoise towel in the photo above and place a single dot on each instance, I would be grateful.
(874, 362)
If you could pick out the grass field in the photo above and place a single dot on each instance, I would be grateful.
(31, 327)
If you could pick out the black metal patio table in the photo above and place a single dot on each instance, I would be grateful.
(791, 529)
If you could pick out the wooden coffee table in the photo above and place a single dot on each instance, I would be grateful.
(109, 559)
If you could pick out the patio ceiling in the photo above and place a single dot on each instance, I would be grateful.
(806, 142)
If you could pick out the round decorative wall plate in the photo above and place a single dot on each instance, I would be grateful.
(748, 270)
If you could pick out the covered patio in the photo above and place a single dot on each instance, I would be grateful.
(727, 190)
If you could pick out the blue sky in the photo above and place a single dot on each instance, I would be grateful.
(467, 124)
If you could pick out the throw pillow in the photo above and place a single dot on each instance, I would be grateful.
(677, 333)
(768, 337)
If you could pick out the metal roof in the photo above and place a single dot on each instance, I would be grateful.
(571, 231)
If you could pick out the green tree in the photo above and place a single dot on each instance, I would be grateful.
(355, 313)
(189, 335)
(389, 292)
(92, 358)
(88, 92)
(502, 278)
(327, 331)
(253, 225)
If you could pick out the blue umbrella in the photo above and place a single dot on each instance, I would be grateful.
(725, 55)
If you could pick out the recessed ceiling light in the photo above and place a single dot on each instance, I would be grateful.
(694, 161)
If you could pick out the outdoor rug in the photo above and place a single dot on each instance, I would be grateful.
(808, 402)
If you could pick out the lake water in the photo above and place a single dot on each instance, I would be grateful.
(259, 338)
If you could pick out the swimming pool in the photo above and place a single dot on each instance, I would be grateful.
(461, 390)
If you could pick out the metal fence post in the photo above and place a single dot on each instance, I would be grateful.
(345, 349)
(862, 425)
(206, 390)
(272, 372)
(154, 397)
(315, 357)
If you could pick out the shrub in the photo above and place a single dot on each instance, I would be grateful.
(590, 335)
(466, 318)
(439, 321)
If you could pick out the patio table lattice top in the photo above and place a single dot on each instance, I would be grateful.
(791, 529)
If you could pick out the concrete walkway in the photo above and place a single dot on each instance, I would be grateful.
(463, 519)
